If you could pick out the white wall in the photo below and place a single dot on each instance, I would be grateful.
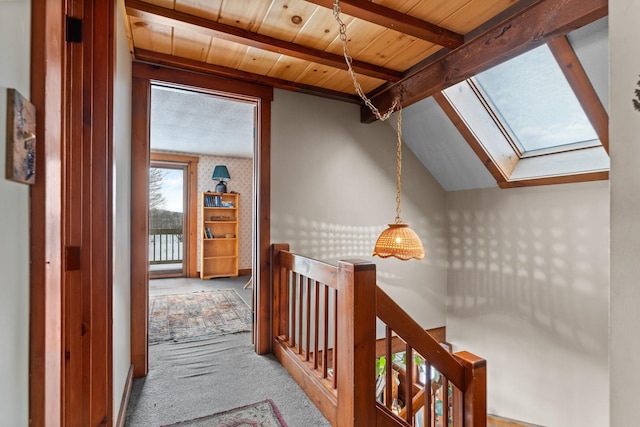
(528, 291)
(121, 215)
(333, 192)
(624, 40)
(15, 30)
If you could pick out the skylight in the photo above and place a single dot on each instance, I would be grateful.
(535, 103)
(534, 119)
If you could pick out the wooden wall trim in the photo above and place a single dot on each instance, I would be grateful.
(262, 211)
(88, 202)
(244, 272)
(141, 103)
(45, 238)
(582, 87)
(201, 80)
(470, 137)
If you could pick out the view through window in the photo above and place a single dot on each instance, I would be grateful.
(535, 103)
(166, 225)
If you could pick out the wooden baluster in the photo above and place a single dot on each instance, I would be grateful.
(335, 339)
(427, 414)
(308, 332)
(458, 409)
(325, 350)
(294, 285)
(301, 312)
(316, 327)
(388, 367)
(445, 401)
(408, 385)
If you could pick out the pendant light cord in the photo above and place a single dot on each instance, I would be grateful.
(349, 61)
(399, 166)
(373, 108)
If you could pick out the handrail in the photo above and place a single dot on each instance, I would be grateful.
(407, 328)
(465, 371)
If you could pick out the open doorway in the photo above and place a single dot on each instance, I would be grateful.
(216, 131)
(144, 78)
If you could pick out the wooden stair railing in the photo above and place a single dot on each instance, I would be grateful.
(324, 334)
(462, 406)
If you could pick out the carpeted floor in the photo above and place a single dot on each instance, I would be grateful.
(197, 378)
(197, 314)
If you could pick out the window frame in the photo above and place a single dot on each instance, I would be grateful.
(502, 156)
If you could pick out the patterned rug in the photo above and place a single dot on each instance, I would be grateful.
(195, 315)
(261, 414)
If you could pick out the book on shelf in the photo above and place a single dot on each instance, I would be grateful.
(211, 201)
(207, 233)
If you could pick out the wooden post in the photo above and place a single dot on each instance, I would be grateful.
(475, 393)
(280, 293)
(356, 344)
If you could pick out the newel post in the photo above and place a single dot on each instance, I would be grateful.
(356, 342)
(475, 393)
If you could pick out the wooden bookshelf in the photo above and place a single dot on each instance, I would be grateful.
(219, 236)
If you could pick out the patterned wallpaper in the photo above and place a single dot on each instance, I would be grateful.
(241, 172)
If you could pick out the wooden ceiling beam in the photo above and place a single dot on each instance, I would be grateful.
(231, 73)
(525, 30)
(392, 19)
(173, 18)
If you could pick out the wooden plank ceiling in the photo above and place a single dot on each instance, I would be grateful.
(407, 47)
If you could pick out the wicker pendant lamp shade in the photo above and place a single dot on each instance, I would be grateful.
(399, 241)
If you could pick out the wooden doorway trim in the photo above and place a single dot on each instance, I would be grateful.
(45, 325)
(144, 75)
(191, 218)
(88, 217)
(70, 357)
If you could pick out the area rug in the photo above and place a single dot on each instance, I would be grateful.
(260, 414)
(196, 315)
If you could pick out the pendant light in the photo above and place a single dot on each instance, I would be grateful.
(399, 240)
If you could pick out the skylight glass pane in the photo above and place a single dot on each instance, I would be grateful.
(535, 101)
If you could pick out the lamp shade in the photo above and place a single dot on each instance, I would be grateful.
(399, 241)
(221, 173)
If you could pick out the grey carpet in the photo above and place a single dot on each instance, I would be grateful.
(193, 379)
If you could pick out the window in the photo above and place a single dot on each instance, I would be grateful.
(527, 119)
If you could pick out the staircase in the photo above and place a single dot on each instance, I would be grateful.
(359, 357)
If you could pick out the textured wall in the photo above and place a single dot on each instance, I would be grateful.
(528, 289)
(624, 39)
(333, 192)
